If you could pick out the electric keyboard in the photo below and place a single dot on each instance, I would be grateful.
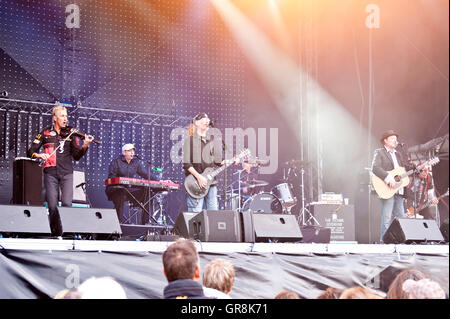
(127, 181)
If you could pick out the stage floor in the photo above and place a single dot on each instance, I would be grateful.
(222, 247)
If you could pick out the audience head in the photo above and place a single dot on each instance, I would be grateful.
(100, 288)
(331, 293)
(180, 261)
(396, 290)
(423, 289)
(287, 294)
(359, 293)
(68, 294)
(219, 274)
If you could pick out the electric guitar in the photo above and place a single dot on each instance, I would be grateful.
(191, 183)
(410, 211)
(401, 179)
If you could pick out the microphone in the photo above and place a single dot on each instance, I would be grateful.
(80, 185)
(137, 156)
(211, 123)
(400, 143)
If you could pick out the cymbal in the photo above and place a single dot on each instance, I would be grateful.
(256, 161)
(296, 163)
(255, 183)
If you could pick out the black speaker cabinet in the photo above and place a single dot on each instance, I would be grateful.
(316, 234)
(339, 218)
(181, 227)
(276, 228)
(444, 229)
(100, 222)
(247, 229)
(216, 225)
(409, 230)
(27, 182)
(27, 220)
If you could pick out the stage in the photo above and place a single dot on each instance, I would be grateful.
(39, 268)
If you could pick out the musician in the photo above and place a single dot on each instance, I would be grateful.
(386, 159)
(420, 195)
(200, 152)
(58, 151)
(127, 165)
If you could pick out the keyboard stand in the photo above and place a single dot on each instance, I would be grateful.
(141, 205)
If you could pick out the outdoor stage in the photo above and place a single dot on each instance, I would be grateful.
(39, 268)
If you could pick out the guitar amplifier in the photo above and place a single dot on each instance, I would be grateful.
(339, 218)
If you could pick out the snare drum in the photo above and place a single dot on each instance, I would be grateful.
(284, 193)
(263, 203)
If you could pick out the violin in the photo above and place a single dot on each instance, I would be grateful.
(66, 131)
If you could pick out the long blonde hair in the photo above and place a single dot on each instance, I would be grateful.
(191, 129)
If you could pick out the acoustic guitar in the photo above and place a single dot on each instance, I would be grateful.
(401, 179)
(191, 183)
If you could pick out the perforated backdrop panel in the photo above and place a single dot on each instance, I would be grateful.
(132, 72)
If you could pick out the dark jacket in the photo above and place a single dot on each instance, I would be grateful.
(60, 163)
(382, 162)
(200, 153)
(119, 167)
(184, 289)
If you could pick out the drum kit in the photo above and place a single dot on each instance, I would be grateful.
(249, 194)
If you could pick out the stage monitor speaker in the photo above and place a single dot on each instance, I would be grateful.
(316, 234)
(27, 182)
(216, 225)
(101, 223)
(26, 220)
(409, 230)
(276, 228)
(181, 227)
(247, 229)
(444, 229)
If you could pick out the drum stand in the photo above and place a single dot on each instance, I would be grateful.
(159, 199)
(305, 216)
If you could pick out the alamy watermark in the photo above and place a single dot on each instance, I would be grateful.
(262, 143)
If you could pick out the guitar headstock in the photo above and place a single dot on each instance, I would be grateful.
(433, 161)
(430, 162)
(244, 153)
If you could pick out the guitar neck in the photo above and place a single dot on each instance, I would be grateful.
(411, 171)
(220, 169)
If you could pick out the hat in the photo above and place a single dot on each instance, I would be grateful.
(387, 134)
(200, 116)
(128, 147)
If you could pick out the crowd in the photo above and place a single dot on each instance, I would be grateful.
(181, 268)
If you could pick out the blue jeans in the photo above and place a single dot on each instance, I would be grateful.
(196, 205)
(390, 208)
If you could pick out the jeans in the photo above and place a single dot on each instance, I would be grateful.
(390, 208)
(52, 185)
(196, 205)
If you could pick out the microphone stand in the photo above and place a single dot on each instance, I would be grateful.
(413, 182)
(224, 148)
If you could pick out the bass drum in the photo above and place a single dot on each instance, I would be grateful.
(263, 203)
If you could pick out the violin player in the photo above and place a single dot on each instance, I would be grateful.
(59, 148)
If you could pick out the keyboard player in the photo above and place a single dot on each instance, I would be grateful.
(128, 165)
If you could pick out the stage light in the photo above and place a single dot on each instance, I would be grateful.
(4, 94)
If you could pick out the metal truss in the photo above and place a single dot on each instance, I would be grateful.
(45, 108)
